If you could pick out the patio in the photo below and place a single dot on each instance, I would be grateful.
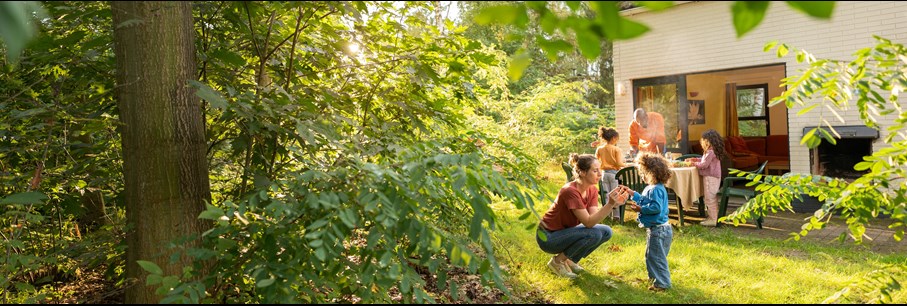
(781, 225)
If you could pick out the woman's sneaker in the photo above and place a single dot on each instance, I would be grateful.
(560, 269)
(574, 267)
(710, 223)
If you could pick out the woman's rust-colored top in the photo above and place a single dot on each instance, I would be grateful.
(560, 215)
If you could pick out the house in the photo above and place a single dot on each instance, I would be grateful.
(691, 66)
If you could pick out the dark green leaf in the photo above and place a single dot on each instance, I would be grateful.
(229, 57)
(30, 197)
(208, 94)
(265, 282)
(525, 215)
(153, 279)
(150, 267)
(589, 43)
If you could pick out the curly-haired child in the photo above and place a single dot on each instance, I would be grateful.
(652, 206)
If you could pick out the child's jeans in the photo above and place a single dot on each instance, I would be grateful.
(711, 195)
(609, 182)
(658, 244)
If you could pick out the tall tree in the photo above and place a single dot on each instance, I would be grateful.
(163, 135)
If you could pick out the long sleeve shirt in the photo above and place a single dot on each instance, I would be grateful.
(637, 133)
(651, 138)
(653, 204)
(656, 128)
(709, 165)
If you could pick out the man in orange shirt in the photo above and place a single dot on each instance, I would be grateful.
(647, 132)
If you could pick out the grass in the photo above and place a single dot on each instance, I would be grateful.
(708, 265)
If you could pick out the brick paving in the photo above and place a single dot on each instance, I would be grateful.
(780, 225)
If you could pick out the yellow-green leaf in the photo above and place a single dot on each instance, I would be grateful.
(518, 64)
(747, 15)
(818, 9)
(769, 45)
(656, 5)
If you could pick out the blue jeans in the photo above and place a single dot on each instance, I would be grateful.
(576, 242)
(658, 244)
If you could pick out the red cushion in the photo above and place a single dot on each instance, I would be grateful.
(777, 145)
(738, 144)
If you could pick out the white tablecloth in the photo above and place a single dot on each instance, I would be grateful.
(686, 183)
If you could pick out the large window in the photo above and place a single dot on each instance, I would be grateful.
(752, 110)
(660, 95)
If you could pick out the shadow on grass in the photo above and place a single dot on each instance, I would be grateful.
(600, 289)
(707, 265)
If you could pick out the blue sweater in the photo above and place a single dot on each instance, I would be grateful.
(653, 203)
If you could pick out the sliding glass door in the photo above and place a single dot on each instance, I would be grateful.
(666, 96)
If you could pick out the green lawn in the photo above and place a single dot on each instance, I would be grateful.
(708, 265)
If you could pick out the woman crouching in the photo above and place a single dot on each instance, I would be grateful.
(570, 227)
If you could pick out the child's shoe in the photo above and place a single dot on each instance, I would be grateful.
(709, 223)
(657, 289)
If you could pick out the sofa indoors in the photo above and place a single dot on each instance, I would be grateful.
(747, 153)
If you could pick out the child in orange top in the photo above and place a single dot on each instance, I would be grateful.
(611, 160)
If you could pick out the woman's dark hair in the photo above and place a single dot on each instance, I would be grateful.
(581, 163)
(717, 142)
(653, 168)
(607, 133)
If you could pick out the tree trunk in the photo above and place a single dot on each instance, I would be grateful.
(165, 170)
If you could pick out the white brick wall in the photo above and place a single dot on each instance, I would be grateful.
(699, 36)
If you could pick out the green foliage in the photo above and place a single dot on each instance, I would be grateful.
(881, 189)
(555, 119)
(879, 284)
(361, 228)
(341, 174)
(17, 26)
(59, 146)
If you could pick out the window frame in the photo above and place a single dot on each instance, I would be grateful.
(765, 116)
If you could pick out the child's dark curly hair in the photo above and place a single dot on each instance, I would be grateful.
(717, 142)
(607, 134)
(653, 168)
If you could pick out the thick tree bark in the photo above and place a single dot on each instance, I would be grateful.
(163, 135)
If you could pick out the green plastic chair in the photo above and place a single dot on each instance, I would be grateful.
(628, 176)
(569, 170)
(727, 190)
